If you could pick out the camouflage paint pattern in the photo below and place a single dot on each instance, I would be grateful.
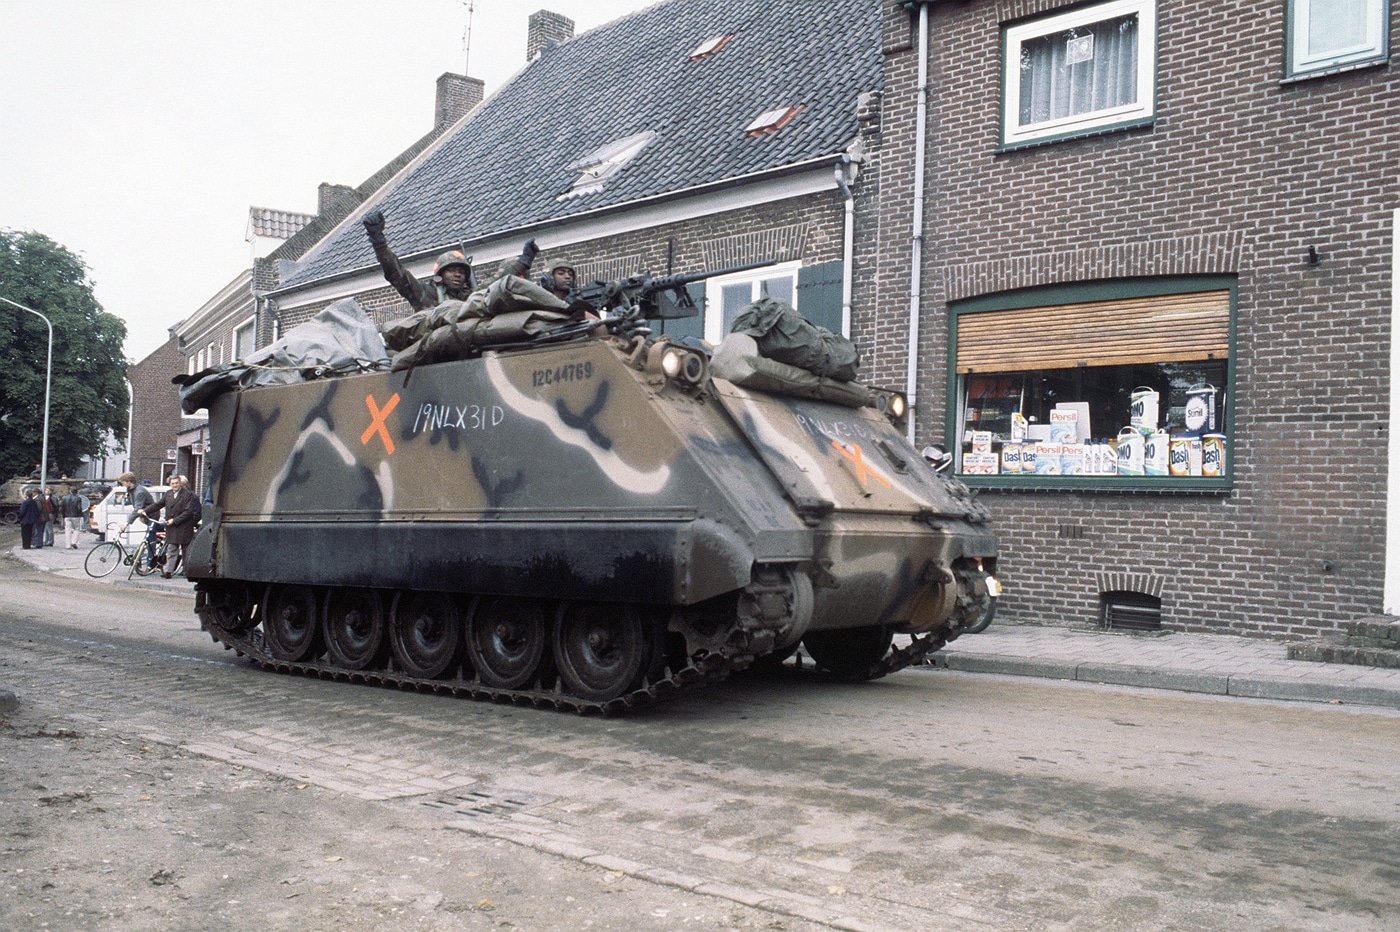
(580, 471)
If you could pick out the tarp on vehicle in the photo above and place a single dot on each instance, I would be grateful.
(340, 339)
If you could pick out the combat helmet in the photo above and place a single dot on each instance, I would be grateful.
(454, 257)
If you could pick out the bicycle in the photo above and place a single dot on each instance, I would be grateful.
(105, 557)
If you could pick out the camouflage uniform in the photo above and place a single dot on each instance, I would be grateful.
(422, 295)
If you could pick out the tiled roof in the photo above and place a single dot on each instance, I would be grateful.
(506, 166)
(280, 224)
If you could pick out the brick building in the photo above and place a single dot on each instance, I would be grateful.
(1141, 201)
(688, 136)
(156, 418)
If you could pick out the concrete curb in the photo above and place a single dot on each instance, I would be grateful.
(1301, 689)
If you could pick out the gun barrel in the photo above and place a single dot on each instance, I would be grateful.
(680, 281)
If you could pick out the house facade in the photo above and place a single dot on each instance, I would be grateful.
(690, 136)
(1153, 284)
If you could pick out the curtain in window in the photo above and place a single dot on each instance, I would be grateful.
(1337, 26)
(1079, 70)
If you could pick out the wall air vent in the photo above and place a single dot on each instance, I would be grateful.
(1130, 611)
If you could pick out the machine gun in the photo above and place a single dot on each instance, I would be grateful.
(641, 297)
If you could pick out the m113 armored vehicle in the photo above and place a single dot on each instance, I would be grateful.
(586, 517)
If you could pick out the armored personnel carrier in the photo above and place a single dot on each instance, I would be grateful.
(589, 519)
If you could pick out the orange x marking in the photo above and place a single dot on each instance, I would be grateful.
(377, 425)
(862, 470)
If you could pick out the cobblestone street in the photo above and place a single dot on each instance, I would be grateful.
(932, 799)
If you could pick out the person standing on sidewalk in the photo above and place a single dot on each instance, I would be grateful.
(28, 518)
(71, 508)
(179, 505)
(42, 527)
(139, 498)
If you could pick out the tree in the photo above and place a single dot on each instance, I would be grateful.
(87, 396)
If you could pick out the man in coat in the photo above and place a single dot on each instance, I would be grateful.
(72, 507)
(179, 522)
(28, 518)
(43, 528)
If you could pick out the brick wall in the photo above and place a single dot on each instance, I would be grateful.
(1240, 173)
(156, 409)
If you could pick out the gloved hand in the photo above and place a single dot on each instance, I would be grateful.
(374, 227)
(528, 253)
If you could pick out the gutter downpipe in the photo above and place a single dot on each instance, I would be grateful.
(917, 234)
(847, 249)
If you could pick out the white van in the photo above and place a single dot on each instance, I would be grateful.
(112, 511)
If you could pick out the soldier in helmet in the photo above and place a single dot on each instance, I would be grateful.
(452, 272)
(558, 279)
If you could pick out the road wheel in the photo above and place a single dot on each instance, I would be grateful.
(354, 628)
(230, 607)
(849, 653)
(602, 651)
(289, 622)
(103, 559)
(507, 640)
(425, 633)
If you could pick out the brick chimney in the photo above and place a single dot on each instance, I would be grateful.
(327, 194)
(456, 94)
(547, 29)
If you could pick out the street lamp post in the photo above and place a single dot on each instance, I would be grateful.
(48, 381)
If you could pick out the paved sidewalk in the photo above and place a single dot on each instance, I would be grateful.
(64, 562)
(1214, 664)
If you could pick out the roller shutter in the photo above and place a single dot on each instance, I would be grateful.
(1160, 328)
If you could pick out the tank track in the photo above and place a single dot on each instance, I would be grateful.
(712, 669)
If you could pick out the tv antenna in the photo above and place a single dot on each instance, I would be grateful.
(467, 36)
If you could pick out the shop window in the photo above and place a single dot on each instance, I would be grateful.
(1088, 69)
(1123, 384)
(1325, 35)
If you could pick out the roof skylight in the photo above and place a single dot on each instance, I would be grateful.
(770, 121)
(604, 162)
(710, 47)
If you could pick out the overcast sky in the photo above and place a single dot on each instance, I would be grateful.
(137, 133)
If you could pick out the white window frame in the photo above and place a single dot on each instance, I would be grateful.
(248, 326)
(1140, 111)
(714, 293)
(1375, 49)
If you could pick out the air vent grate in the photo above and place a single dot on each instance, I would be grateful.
(1131, 611)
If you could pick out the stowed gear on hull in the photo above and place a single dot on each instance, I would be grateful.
(587, 525)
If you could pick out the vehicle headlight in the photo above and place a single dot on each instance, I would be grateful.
(671, 363)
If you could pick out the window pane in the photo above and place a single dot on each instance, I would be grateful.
(733, 299)
(1336, 27)
(1079, 70)
(778, 288)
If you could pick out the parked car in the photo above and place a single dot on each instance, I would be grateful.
(112, 511)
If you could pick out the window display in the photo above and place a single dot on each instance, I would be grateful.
(1108, 390)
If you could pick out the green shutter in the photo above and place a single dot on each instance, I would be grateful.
(684, 327)
(819, 294)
